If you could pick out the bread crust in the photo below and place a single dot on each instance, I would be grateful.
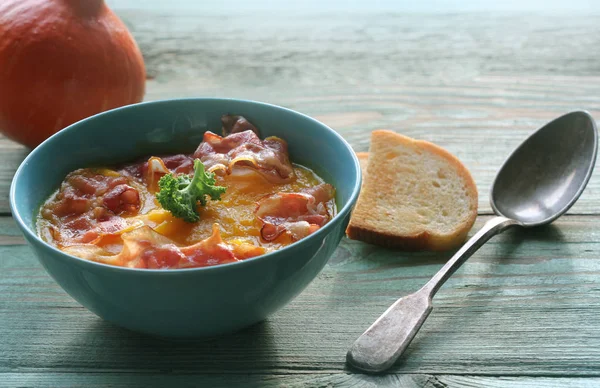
(362, 156)
(377, 233)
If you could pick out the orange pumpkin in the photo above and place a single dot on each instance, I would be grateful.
(62, 61)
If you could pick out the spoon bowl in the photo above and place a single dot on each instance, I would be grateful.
(539, 182)
(547, 173)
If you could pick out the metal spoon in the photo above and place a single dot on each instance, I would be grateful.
(540, 181)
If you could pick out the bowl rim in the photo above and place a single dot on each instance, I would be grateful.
(32, 236)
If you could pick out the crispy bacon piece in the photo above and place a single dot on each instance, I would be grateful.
(91, 182)
(236, 124)
(112, 226)
(138, 245)
(298, 214)
(145, 248)
(122, 199)
(179, 163)
(155, 169)
(87, 230)
(87, 204)
(80, 190)
(269, 157)
(210, 251)
(321, 193)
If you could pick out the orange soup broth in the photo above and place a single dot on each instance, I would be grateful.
(234, 213)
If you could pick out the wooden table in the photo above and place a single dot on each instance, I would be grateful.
(524, 310)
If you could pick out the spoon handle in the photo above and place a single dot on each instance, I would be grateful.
(491, 228)
(381, 344)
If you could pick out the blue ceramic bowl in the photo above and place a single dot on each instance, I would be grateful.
(185, 302)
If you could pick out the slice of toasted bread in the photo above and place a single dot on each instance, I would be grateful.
(415, 196)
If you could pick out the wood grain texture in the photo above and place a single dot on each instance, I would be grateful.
(129, 380)
(526, 304)
(316, 48)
